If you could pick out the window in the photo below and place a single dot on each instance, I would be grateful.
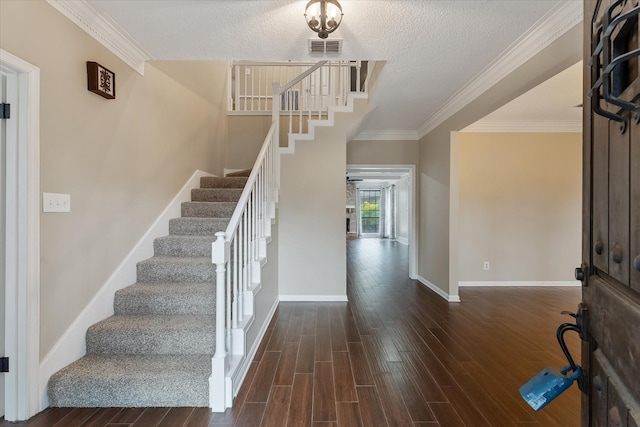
(370, 211)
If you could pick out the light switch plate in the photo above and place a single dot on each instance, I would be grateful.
(56, 202)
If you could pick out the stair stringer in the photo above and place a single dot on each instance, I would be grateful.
(329, 121)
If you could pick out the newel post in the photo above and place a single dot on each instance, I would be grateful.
(218, 392)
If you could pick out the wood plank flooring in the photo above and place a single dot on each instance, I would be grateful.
(395, 355)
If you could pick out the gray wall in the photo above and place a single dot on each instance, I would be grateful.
(382, 152)
(312, 212)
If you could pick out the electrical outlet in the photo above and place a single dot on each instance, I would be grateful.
(486, 265)
(56, 202)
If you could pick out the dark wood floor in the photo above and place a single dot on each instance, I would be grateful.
(395, 355)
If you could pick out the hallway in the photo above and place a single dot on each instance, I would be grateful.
(395, 355)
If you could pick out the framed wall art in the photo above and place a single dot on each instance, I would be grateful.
(100, 80)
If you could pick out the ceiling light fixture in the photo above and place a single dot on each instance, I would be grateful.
(323, 16)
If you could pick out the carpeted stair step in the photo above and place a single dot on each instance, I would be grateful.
(175, 269)
(166, 298)
(227, 182)
(244, 172)
(183, 246)
(216, 194)
(208, 209)
(156, 350)
(132, 381)
(197, 226)
(152, 334)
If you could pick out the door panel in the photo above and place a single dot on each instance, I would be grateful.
(618, 203)
(617, 400)
(614, 318)
(601, 194)
(634, 254)
(599, 395)
(611, 247)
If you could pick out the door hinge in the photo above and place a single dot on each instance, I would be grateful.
(5, 111)
(4, 364)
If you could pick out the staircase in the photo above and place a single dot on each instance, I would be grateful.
(156, 349)
(179, 335)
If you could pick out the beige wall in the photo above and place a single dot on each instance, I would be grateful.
(437, 257)
(243, 139)
(520, 206)
(382, 152)
(433, 218)
(121, 160)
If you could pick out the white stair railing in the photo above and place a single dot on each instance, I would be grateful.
(239, 251)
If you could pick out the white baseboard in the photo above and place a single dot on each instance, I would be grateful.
(519, 283)
(246, 363)
(72, 346)
(314, 298)
(402, 240)
(437, 290)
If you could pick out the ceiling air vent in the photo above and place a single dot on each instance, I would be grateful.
(325, 47)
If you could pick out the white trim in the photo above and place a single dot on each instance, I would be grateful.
(104, 30)
(22, 327)
(313, 298)
(549, 28)
(387, 135)
(437, 290)
(71, 346)
(241, 372)
(573, 126)
(507, 283)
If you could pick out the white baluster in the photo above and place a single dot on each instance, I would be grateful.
(237, 298)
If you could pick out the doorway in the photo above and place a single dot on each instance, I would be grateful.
(20, 255)
(381, 203)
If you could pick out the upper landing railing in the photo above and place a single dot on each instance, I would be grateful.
(250, 85)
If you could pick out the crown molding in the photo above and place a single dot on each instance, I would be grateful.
(387, 135)
(569, 126)
(104, 30)
(549, 28)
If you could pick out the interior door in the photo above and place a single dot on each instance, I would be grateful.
(611, 215)
(3, 144)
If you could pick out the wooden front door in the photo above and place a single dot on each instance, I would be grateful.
(611, 216)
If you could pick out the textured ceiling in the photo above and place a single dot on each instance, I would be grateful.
(432, 48)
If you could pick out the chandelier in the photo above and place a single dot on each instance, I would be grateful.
(323, 16)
